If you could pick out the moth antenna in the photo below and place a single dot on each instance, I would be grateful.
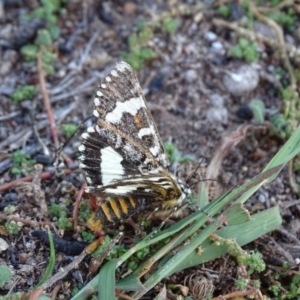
(206, 179)
(67, 142)
(193, 174)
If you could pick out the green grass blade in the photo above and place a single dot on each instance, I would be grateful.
(51, 263)
(169, 267)
(107, 281)
(289, 150)
(236, 214)
(260, 223)
(130, 283)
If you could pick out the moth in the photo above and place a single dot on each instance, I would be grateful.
(122, 156)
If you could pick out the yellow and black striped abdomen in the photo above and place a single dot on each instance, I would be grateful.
(116, 210)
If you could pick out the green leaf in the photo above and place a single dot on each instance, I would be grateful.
(224, 11)
(170, 25)
(5, 275)
(258, 109)
(24, 93)
(235, 52)
(106, 283)
(244, 44)
(51, 263)
(29, 52)
(43, 38)
(260, 224)
(236, 214)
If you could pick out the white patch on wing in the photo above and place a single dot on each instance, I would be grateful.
(111, 167)
(131, 106)
(99, 93)
(108, 79)
(146, 131)
(156, 149)
(97, 101)
(103, 85)
(114, 73)
(122, 66)
(90, 129)
(88, 179)
(118, 141)
(85, 135)
(96, 114)
(121, 190)
(81, 148)
(82, 166)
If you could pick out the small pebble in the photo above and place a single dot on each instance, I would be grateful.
(210, 36)
(241, 81)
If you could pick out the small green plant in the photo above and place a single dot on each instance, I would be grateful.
(258, 109)
(64, 223)
(21, 163)
(10, 209)
(241, 283)
(291, 291)
(139, 52)
(224, 11)
(286, 19)
(27, 92)
(116, 251)
(170, 25)
(175, 156)
(87, 236)
(294, 287)
(275, 289)
(48, 11)
(281, 125)
(84, 210)
(29, 52)
(244, 50)
(68, 129)
(254, 261)
(13, 227)
(60, 212)
(5, 275)
(138, 42)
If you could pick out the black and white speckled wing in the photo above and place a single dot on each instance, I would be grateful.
(124, 142)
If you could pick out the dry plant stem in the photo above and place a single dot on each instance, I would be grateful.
(34, 295)
(281, 251)
(55, 291)
(225, 145)
(26, 222)
(46, 99)
(76, 207)
(45, 175)
(63, 272)
(289, 236)
(123, 296)
(7, 186)
(16, 281)
(256, 36)
(236, 294)
(282, 48)
(292, 181)
(277, 7)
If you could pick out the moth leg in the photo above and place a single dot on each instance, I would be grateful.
(172, 212)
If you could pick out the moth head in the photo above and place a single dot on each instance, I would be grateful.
(186, 191)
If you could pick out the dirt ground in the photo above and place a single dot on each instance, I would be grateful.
(198, 93)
